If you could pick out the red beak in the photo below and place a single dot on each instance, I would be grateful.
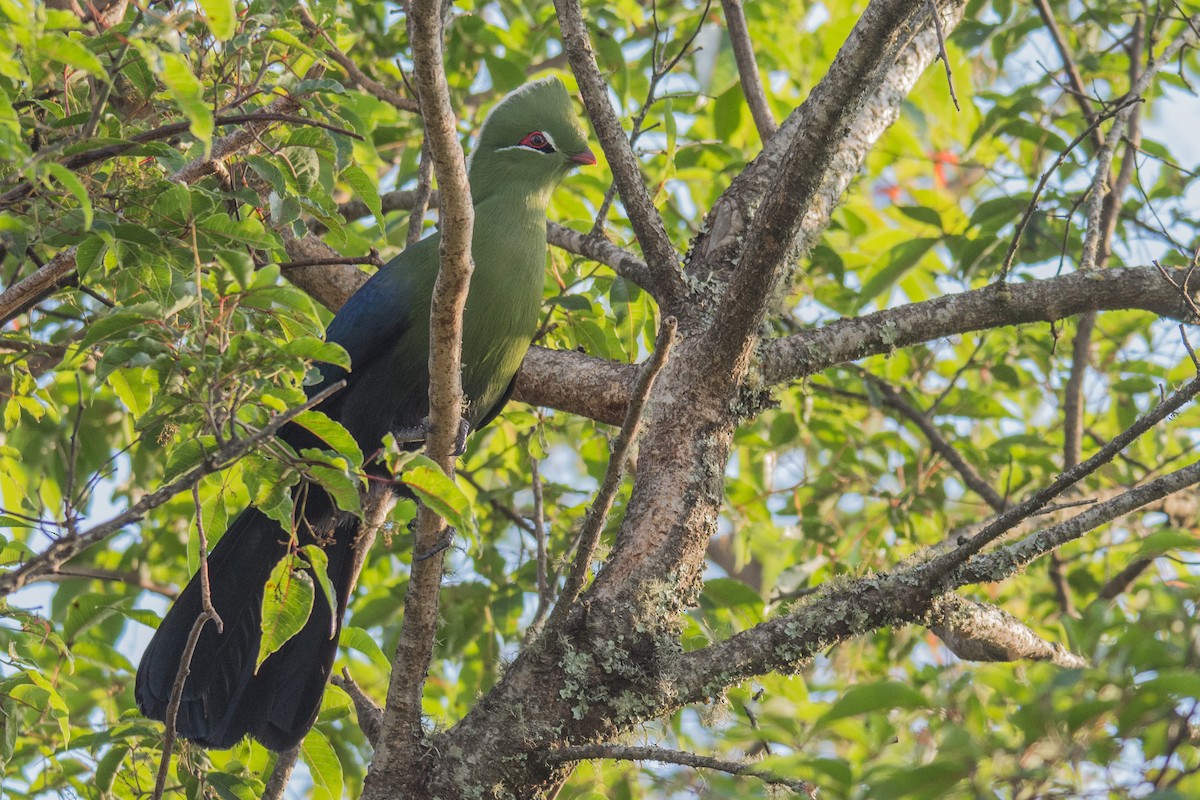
(587, 158)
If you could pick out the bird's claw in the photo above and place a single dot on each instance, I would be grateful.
(418, 434)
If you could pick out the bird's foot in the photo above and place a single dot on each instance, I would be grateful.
(418, 434)
(446, 540)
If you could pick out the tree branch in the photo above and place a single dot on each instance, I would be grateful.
(861, 66)
(1004, 561)
(370, 716)
(662, 277)
(586, 752)
(794, 357)
(1005, 520)
(747, 65)
(281, 772)
(402, 733)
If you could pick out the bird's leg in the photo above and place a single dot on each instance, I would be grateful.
(460, 441)
(417, 434)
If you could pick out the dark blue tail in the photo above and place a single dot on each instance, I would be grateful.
(223, 698)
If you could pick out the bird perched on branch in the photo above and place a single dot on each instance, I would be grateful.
(529, 142)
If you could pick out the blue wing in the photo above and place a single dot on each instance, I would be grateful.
(373, 319)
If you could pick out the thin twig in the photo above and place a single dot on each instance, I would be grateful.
(973, 480)
(585, 752)
(941, 40)
(1078, 91)
(130, 577)
(544, 589)
(1115, 586)
(998, 564)
(658, 71)
(1188, 344)
(416, 218)
(117, 64)
(22, 296)
(372, 258)
(245, 136)
(207, 613)
(1006, 265)
(589, 535)
(1183, 290)
(352, 70)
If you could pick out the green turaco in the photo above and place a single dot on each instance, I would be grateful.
(531, 140)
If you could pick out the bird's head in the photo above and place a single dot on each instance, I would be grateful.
(529, 142)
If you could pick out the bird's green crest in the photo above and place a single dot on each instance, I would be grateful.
(507, 156)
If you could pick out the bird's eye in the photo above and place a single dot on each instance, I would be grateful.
(538, 141)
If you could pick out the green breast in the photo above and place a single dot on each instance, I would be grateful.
(509, 248)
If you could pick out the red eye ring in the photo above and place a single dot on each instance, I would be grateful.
(538, 141)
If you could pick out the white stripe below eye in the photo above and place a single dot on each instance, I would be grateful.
(549, 140)
(522, 147)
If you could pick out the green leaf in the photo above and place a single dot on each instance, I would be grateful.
(900, 259)
(921, 781)
(364, 186)
(332, 433)
(89, 253)
(85, 610)
(316, 557)
(1166, 540)
(302, 165)
(68, 51)
(266, 169)
(287, 603)
(323, 766)
(119, 322)
(288, 38)
(315, 349)
(340, 483)
(923, 214)
(107, 767)
(358, 639)
(42, 694)
(71, 182)
(728, 114)
(437, 492)
(221, 16)
(881, 696)
(188, 93)
(234, 787)
(186, 455)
